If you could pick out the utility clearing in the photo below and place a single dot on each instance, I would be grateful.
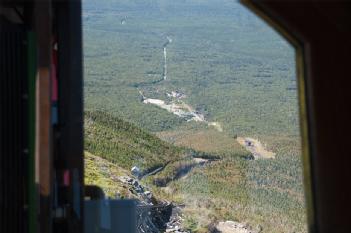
(256, 148)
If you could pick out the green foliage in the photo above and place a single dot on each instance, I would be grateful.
(190, 224)
(124, 144)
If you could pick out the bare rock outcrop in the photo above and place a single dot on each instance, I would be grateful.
(235, 227)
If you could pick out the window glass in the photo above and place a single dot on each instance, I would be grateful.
(191, 110)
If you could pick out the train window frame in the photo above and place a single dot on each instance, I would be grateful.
(304, 118)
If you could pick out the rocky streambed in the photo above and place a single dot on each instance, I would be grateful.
(153, 215)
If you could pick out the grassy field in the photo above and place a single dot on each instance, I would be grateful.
(233, 69)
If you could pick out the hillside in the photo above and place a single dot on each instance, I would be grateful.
(125, 144)
(210, 186)
(102, 173)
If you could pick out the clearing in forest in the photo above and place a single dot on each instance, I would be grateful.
(256, 148)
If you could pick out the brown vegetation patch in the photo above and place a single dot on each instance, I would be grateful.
(210, 140)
